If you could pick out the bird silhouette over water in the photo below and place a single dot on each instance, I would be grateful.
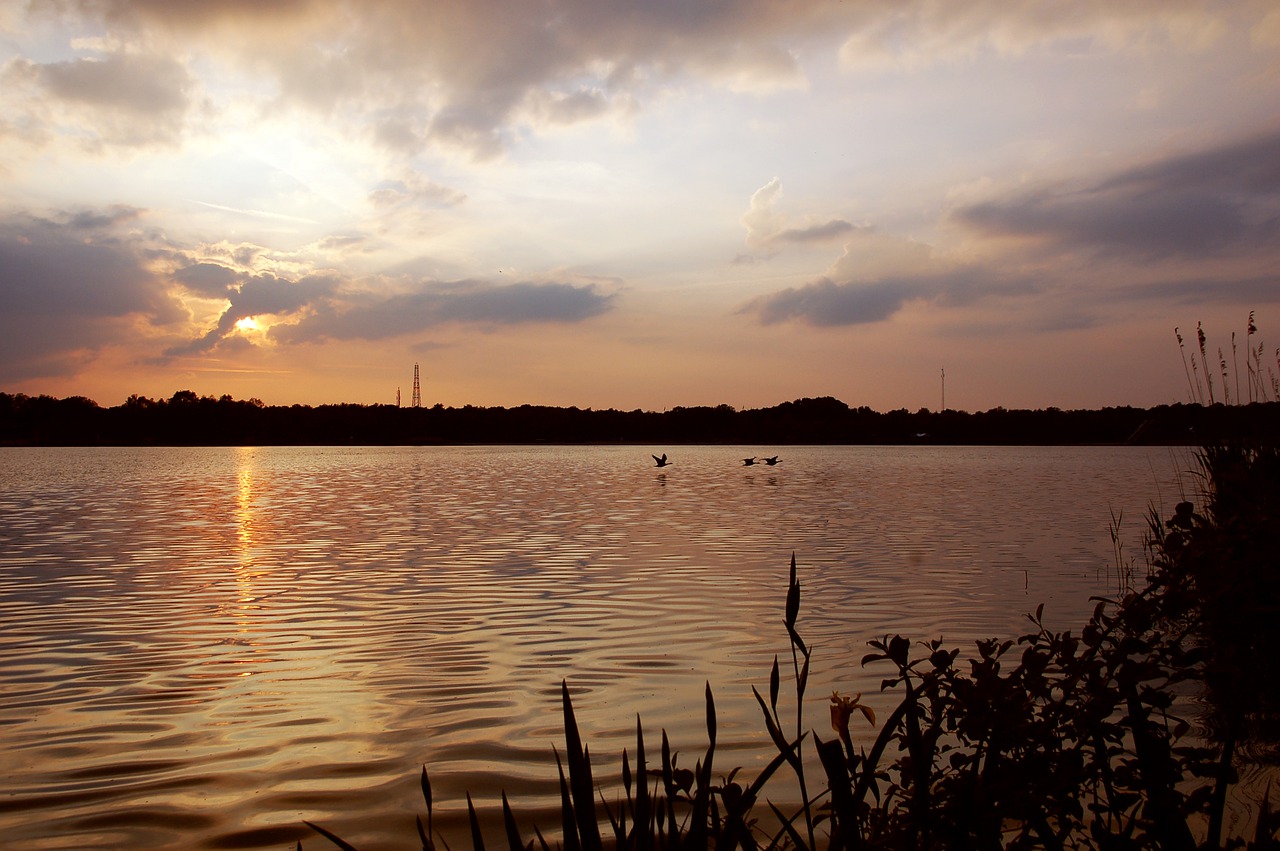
(771, 461)
(748, 462)
(661, 462)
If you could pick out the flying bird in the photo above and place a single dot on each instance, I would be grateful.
(661, 462)
(771, 461)
(748, 462)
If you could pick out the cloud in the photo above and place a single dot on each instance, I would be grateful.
(476, 76)
(1194, 205)
(260, 295)
(65, 292)
(376, 316)
(915, 35)
(413, 189)
(467, 76)
(878, 274)
(825, 232)
(208, 279)
(1218, 208)
(123, 98)
(768, 229)
(828, 303)
(104, 218)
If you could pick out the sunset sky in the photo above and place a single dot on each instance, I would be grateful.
(636, 205)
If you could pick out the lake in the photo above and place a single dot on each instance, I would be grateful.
(202, 647)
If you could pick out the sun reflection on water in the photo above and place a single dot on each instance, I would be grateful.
(248, 531)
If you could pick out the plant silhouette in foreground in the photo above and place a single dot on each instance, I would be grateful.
(1054, 740)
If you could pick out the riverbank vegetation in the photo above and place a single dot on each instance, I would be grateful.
(186, 419)
(1129, 733)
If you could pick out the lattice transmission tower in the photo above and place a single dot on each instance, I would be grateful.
(417, 388)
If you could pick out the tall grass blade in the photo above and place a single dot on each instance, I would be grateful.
(568, 820)
(580, 781)
(669, 784)
(702, 797)
(425, 835)
(642, 818)
(514, 842)
(788, 826)
(477, 841)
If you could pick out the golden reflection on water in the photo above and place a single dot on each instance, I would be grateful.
(247, 527)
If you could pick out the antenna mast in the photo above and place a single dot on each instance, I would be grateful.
(417, 388)
(944, 389)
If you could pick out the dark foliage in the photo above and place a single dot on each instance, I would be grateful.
(188, 419)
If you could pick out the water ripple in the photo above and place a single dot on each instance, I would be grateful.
(204, 647)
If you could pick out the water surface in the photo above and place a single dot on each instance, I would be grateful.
(202, 647)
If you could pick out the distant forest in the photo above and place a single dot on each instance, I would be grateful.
(186, 419)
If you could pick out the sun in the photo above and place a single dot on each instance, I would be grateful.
(249, 323)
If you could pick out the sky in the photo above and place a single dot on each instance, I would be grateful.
(898, 203)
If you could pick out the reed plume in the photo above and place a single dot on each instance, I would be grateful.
(1235, 365)
(1204, 359)
(1222, 364)
(1182, 349)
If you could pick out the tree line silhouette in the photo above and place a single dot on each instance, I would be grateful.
(189, 419)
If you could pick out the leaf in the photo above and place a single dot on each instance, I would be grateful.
(427, 844)
(773, 685)
(711, 718)
(332, 837)
(899, 649)
(774, 733)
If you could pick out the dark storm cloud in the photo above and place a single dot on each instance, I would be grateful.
(65, 292)
(1201, 204)
(373, 316)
